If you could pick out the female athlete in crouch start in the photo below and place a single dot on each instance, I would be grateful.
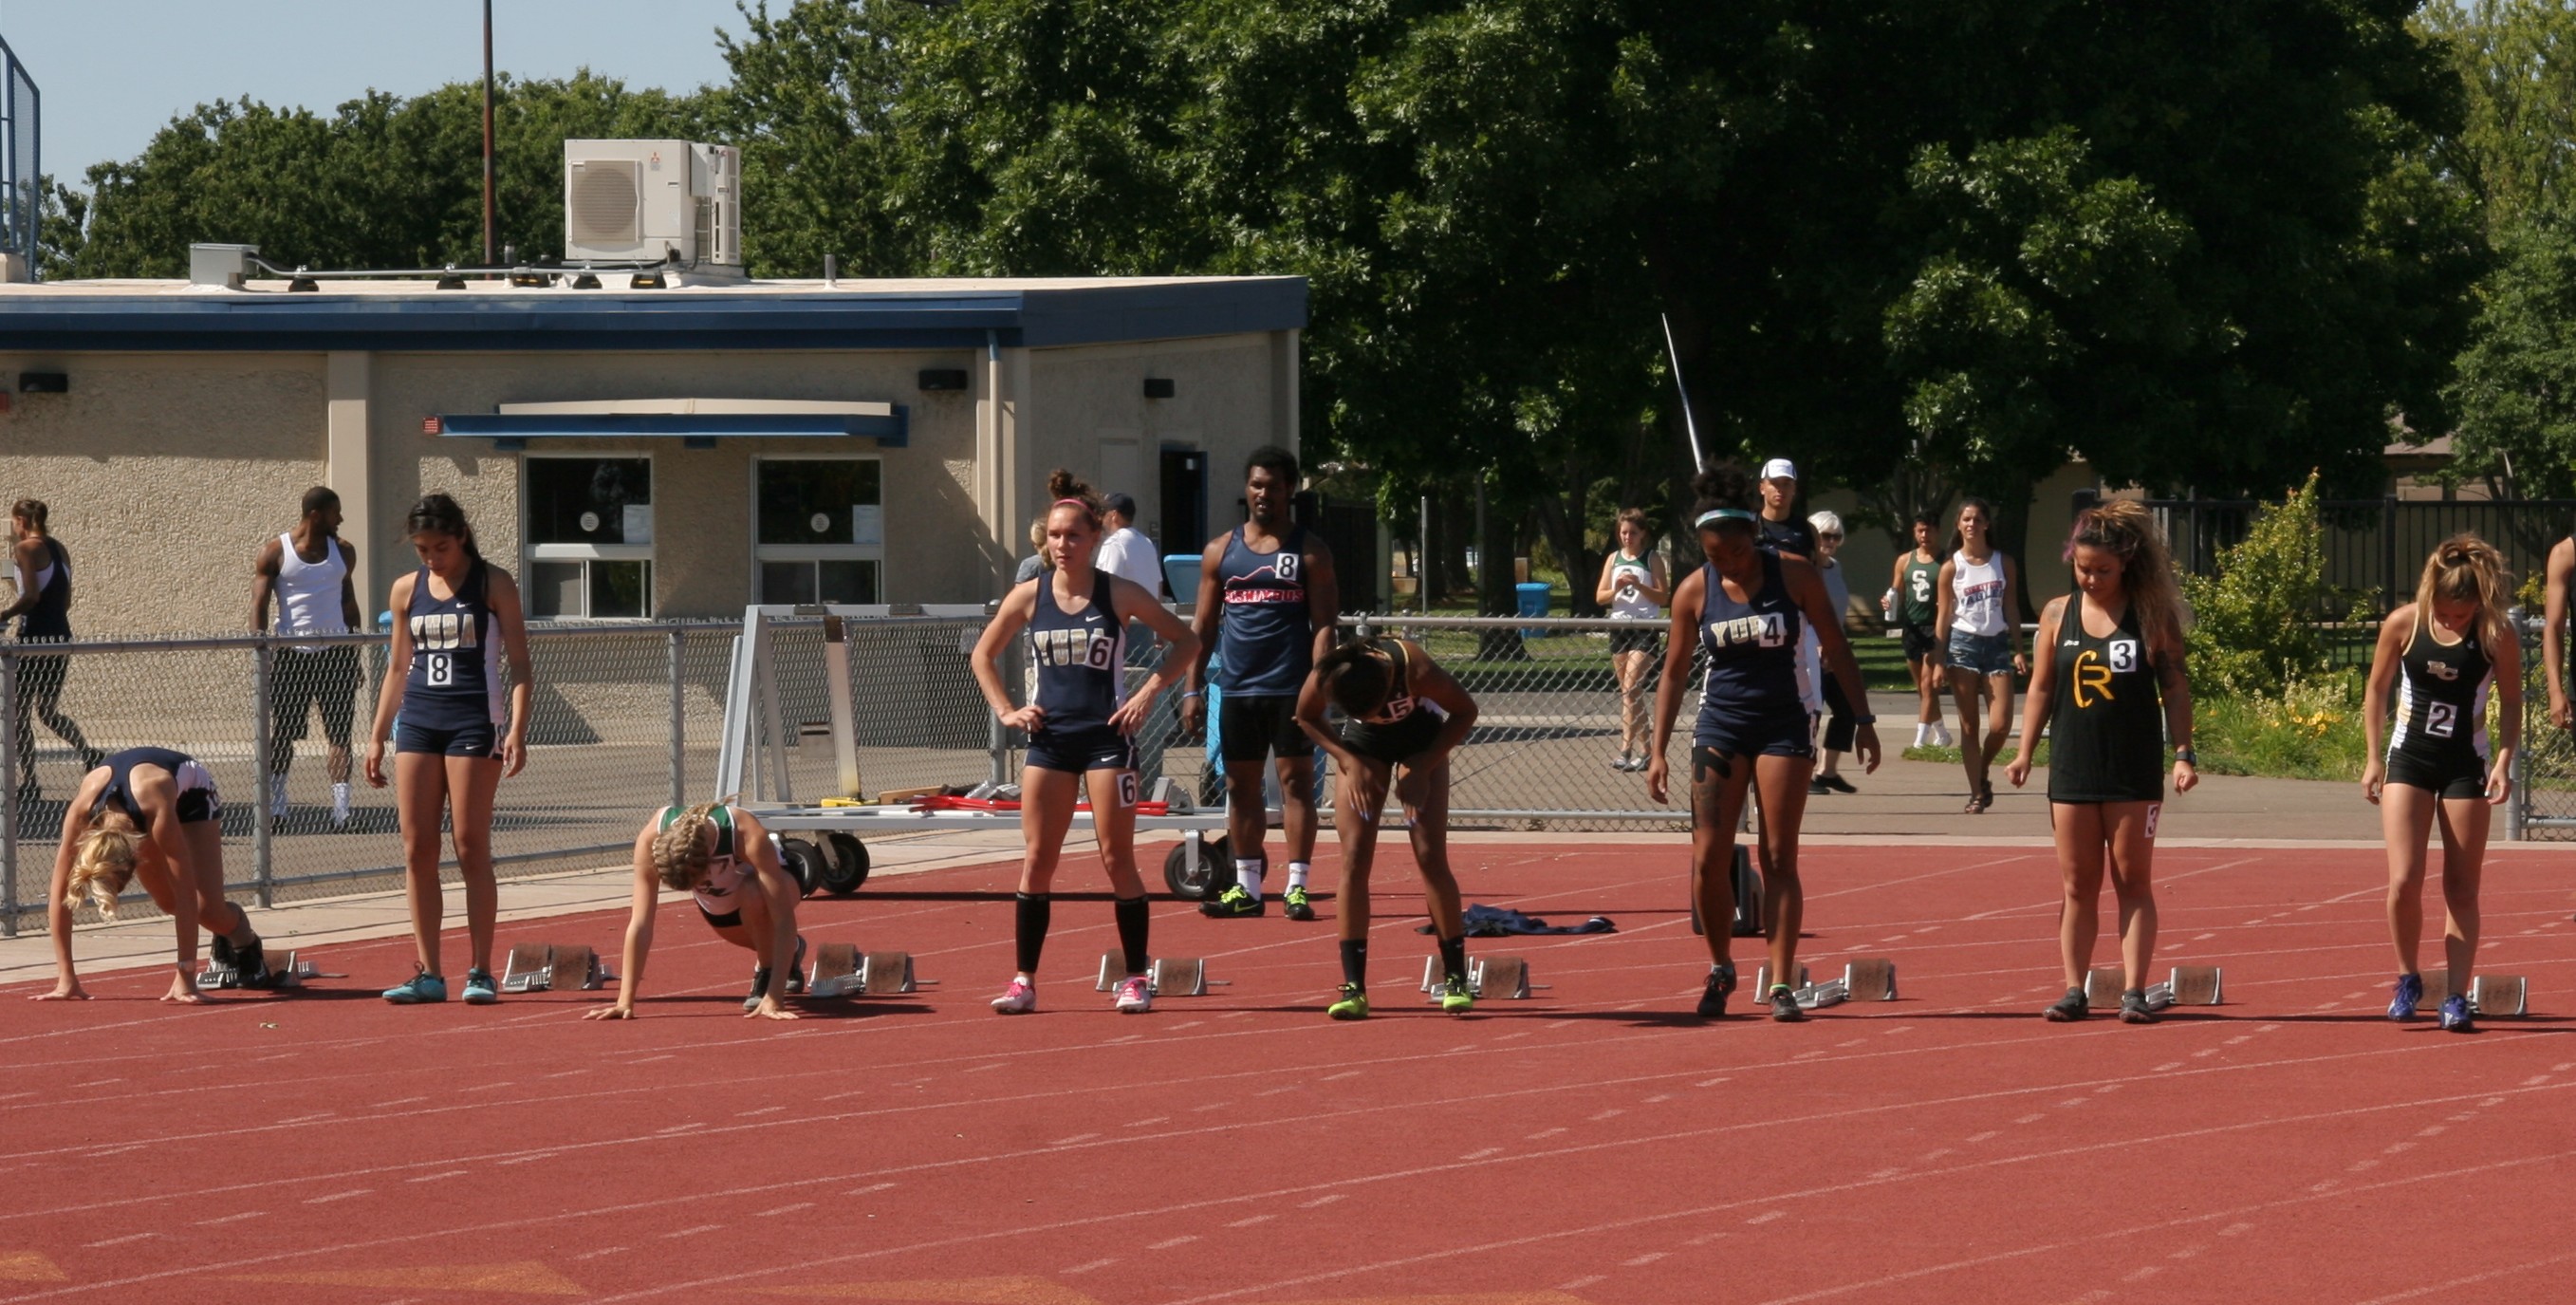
(1745, 606)
(152, 814)
(2443, 653)
(1079, 729)
(719, 853)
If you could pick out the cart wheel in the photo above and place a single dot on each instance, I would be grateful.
(847, 867)
(1215, 873)
(804, 862)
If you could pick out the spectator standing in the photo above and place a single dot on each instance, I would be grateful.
(311, 572)
(1635, 587)
(1126, 552)
(1911, 604)
(43, 609)
(1838, 710)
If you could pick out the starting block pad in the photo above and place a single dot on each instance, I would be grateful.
(1168, 976)
(545, 967)
(842, 970)
(1487, 976)
(291, 974)
(2189, 985)
(2499, 994)
(1868, 979)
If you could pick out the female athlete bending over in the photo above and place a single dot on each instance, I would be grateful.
(1746, 606)
(720, 854)
(149, 813)
(2445, 652)
(1079, 730)
(1400, 711)
(2106, 652)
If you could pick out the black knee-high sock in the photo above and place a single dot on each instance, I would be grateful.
(1132, 922)
(1034, 911)
(1355, 962)
(1453, 956)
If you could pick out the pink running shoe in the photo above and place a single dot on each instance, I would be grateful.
(1135, 997)
(1018, 999)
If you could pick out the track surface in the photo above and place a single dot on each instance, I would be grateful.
(1593, 1144)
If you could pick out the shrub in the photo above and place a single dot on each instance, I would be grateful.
(2254, 625)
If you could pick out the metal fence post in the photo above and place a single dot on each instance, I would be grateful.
(9, 812)
(679, 720)
(2388, 589)
(264, 784)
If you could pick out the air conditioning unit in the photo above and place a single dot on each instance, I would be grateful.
(653, 199)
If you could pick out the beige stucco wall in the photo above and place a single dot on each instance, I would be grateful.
(162, 475)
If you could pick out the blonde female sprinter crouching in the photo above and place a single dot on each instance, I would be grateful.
(720, 854)
(149, 813)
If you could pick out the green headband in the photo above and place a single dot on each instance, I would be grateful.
(1722, 514)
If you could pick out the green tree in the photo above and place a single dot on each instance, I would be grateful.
(2516, 392)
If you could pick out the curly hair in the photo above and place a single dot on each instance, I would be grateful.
(1356, 677)
(1725, 487)
(2127, 530)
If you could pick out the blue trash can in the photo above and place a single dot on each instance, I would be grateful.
(1533, 602)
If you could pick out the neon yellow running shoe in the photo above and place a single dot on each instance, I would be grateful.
(1455, 996)
(1352, 1006)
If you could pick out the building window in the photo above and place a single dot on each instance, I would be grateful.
(818, 529)
(590, 537)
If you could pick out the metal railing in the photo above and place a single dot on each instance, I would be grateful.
(2543, 804)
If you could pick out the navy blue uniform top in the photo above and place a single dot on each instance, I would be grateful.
(120, 777)
(51, 617)
(455, 678)
(1265, 641)
(1080, 656)
(1751, 688)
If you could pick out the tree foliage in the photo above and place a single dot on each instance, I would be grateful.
(2254, 623)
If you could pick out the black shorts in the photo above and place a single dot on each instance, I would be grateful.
(1840, 721)
(2461, 775)
(1644, 638)
(480, 740)
(1396, 742)
(1078, 751)
(728, 920)
(325, 678)
(1252, 726)
(1718, 752)
(1921, 643)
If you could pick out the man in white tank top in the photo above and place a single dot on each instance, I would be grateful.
(312, 572)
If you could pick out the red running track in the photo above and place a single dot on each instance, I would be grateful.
(1591, 1145)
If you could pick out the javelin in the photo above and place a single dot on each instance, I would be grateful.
(1688, 423)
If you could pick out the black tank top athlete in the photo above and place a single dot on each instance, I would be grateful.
(2106, 720)
(1080, 658)
(119, 792)
(2442, 700)
(51, 617)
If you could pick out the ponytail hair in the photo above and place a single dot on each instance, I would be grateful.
(2126, 530)
(1355, 678)
(103, 862)
(1064, 489)
(31, 511)
(680, 850)
(439, 514)
(2467, 569)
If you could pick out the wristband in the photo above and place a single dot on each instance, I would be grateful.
(2187, 756)
(1193, 693)
(1865, 720)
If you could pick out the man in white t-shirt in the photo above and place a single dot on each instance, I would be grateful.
(1127, 553)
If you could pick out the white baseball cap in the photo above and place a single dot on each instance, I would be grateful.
(1779, 469)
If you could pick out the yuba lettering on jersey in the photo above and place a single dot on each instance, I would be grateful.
(443, 632)
(1764, 629)
(1096, 649)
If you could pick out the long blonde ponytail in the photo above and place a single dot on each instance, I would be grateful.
(104, 862)
(2466, 569)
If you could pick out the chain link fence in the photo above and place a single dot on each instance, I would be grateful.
(2543, 806)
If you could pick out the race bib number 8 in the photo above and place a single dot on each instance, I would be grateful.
(442, 669)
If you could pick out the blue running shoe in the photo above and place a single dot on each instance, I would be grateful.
(424, 987)
(480, 990)
(2455, 1015)
(2409, 995)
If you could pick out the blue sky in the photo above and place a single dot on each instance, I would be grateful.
(113, 71)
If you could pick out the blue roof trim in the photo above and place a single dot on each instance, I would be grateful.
(602, 320)
(892, 432)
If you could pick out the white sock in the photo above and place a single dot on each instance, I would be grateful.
(1919, 728)
(1248, 874)
(1297, 872)
(340, 799)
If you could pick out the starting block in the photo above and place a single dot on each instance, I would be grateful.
(1167, 976)
(291, 974)
(1868, 979)
(1487, 976)
(2499, 994)
(842, 970)
(544, 967)
(2189, 985)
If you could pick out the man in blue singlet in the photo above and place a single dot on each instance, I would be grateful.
(1266, 603)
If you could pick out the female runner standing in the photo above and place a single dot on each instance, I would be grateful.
(1079, 732)
(1634, 587)
(150, 813)
(1400, 711)
(2110, 649)
(458, 737)
(1976, 585)
(2445, 652)
(44, 575)
(1746, 607)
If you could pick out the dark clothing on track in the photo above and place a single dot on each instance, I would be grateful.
(2106, 720)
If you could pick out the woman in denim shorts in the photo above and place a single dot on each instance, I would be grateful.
(1976, 585)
